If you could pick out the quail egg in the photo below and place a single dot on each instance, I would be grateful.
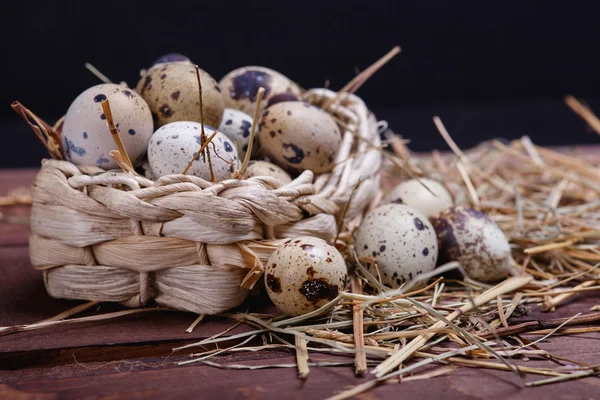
(171, 57)
(171, 91)
(173, 146)
(298, 136)
(241, 86)
(426, 195)
(304, 274)
(236, 125)
(86, 138)
(475, 241)
(401, 240)
(264, 168)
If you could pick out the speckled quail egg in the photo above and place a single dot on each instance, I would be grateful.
(86, 138)
(236, 125)
(173, 146)
(304, 274)
(413, 193)
(401, 240)
(298, 136)
(171, 91)
(475, 241)
(171, 57)
(241, 85)
(264, 168)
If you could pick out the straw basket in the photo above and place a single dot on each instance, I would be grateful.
(186, 243)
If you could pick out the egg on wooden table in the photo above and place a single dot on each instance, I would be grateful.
(171, 91)
(265, 168)
(298, 136)
(401, 240)
(86, 138)
(425, 195)
(236, 126)
(475, 241)
(173, 146)
(304, 274)
(241, 86)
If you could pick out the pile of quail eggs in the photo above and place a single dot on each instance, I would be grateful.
(161, 121)
(415, 229)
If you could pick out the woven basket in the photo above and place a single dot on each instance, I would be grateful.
(184, 242)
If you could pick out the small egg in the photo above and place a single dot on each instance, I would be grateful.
(413, 193)
(236, 126)
(171, 57)
(304, 274)
(86, 138)
(241, 86)
(298, 136)
(264, 168)
(401, 240)
(173, 146)
(171, 91)
(475, 241)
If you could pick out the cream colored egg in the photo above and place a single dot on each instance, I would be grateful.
(401, 240)
(298, 136)
(86, 138)
(264, 168)
(475, 241)
(171, 91)
(241, 85)
(304, 274)
(426, 195)
(236, 126)
(174, 145)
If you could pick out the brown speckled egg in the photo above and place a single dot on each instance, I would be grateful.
(174, 145)
(86, 138)
(236, 126)
(304, 274)
(171, 91)
(264, 168)
(401, 240)
(475, 241)
(412, 193)
(298, 136)
(241, 85)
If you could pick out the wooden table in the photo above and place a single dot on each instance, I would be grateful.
(131, 357)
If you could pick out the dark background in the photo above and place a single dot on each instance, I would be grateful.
(488, 69)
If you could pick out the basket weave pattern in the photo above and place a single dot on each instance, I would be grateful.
(184, 242)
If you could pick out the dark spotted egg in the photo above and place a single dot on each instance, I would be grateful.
(264, 168)
(174, 145)
(171, 91)
(426, 195)
(236, 125)
(85, 134)
(171, 57)
(401, 240)
(241, 85)
(304, 274)
(475, 241)
(298, 136)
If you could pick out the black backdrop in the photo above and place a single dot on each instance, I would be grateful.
(489, 69)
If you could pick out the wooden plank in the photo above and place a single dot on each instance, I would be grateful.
(14, 234)
(160, 378)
